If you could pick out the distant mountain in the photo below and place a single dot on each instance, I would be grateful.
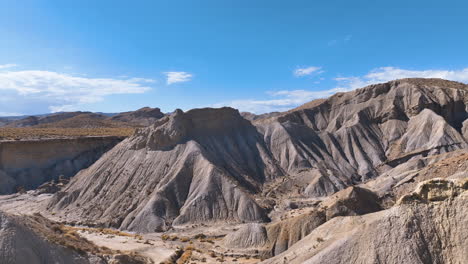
(83, 120)
(253, 117)
(142, 117)
(4, 121)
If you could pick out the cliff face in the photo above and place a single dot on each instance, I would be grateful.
(30, 163)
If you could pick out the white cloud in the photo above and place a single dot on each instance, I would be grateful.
(385, 74)
(307, 71)
(63, 91)
(9, 114)
(176, 77)
(6, 66)
(287, 99)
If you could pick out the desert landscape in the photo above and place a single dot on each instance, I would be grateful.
(233, 132)
(374, 175)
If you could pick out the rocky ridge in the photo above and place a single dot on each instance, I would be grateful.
(213, 165)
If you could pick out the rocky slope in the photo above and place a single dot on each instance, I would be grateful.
(355, 136)
(188, 167)
(275, 238)
(29, 163)
(428, 226)
(34, 239)
(21, 244)
(212, 164)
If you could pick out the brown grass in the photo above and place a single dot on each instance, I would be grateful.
(63, 235)
(186, 256)
(44, 133)
(108, 231)
(68, 236)
(184, 239)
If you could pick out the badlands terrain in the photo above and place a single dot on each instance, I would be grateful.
(375, 175)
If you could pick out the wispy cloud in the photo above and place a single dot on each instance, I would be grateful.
(10, 114)
(63, 91)
(6, 66)
(385, 74)
(280, 100)
(344, 40)
(288, 99)
(177, 77)
(307, 71)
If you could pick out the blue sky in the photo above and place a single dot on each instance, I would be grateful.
(258, 56)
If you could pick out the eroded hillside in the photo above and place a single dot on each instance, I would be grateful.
(375, 175)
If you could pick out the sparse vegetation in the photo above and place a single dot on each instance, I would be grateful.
(207, 240)
(199, 236)
(69, 237)
(44, 133)
(186, 255)
(184, 239)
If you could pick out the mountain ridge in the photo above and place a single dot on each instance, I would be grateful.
(345, 140)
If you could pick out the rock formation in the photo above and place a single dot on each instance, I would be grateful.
(212, 164)
(275, 238)
(355, 136)
(415, 231)
(188, 167)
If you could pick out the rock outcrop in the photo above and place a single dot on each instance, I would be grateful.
(278, 236)
(429, 231)
(435, 190)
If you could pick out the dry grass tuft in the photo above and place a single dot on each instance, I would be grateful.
(68, 236)
(23, 133)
